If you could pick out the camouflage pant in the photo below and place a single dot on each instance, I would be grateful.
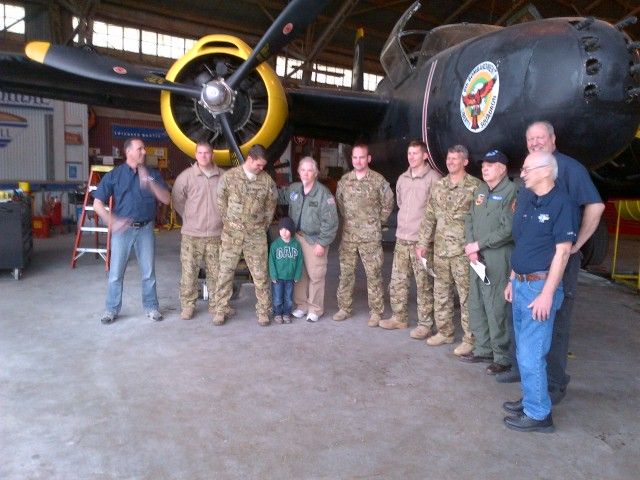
(372, 258)
(450, 272)
(254, 246)
(404, 261)
(192, 251)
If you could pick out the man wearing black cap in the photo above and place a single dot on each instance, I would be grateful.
(488, 241)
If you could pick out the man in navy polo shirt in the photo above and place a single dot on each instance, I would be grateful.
(574, 180)
(544, 229)
(135, 189)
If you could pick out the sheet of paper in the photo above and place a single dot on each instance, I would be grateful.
(426, 267)
(481, 270)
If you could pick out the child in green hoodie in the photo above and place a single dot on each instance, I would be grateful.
(285, 268)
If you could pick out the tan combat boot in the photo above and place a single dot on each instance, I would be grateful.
(420, 332)
(187, 313)
(439, 339)
(218, 319)
(374, 320)
(263, 320)
(230, 311)
(393, 323)
(341, 315)
(463, 349)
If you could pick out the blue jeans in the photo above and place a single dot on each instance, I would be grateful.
(282, 293)
(143, 242)
(533, 340)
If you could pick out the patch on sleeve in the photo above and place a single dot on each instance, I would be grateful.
(331, 201)
(513, 206)
(480, 199)
(293, 196)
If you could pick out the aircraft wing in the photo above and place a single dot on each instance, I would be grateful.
(339, 115)
(19, 74)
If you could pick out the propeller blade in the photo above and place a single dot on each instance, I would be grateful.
(234, 149)
(291, 22)
(99, 67)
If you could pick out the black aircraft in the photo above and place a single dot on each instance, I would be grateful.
(477, 85)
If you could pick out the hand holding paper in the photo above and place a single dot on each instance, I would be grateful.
(481, 269)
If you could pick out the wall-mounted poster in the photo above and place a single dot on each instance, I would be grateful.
(73, 170)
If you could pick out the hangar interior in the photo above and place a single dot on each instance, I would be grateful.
(188, 400)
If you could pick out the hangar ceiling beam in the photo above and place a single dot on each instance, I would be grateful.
(592, 5)
(506, 15)
(329, 31)
(461, 9)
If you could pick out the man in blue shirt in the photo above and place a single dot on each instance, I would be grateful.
(544, 229)
(135, 189)
(575, 181)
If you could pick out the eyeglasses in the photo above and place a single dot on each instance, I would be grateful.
(526, 170)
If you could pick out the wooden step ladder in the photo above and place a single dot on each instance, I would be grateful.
(96, 174)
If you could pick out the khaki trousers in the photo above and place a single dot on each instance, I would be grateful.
(308, 293)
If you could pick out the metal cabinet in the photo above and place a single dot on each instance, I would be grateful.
(16, 240)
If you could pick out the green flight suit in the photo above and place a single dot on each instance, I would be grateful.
(489, 223)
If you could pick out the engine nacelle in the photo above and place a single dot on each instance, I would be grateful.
(260, 109)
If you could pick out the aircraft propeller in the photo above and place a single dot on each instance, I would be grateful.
(217, 96)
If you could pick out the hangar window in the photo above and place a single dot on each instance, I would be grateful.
(11, 18)
(286, 65)
(324, 74)
(134, 40)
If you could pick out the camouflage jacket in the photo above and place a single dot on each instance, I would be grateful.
(444, 217)
(364, 205)
(246, 205)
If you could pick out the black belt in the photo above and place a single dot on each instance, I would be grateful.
(531, 277)
(139, 224)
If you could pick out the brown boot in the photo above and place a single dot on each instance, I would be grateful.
(392, 323)
(187, 313)
(218, 319)
(420, 332)
(463, 349)
(341, 315)
(374, 320)
(263, 320)
(439, 339)
(230, 311)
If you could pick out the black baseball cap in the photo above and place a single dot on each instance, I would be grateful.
(495, 156)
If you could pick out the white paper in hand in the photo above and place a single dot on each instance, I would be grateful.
(426, 267)
(481, 270)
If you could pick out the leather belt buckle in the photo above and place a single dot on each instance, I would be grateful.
(139, 224)
(531, 277)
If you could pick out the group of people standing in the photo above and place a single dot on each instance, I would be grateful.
(492, 242)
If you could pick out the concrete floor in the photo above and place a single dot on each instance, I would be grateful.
(187, 400)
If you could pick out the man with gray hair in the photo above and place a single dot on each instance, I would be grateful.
(313, 210)
(574, 180)
(544, 229)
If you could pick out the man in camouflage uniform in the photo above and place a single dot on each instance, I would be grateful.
(443, 223)
(488, 240)
(365, 201)
(412, 194)
(247, 199)
(195, 194)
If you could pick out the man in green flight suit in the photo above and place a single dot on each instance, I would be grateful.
(488, 241)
